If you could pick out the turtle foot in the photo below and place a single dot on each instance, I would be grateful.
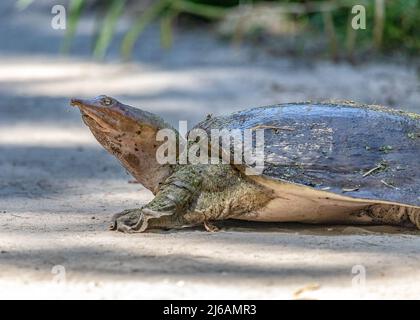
(210, 227)
(128, 221)
(414, 215)
(137, 220)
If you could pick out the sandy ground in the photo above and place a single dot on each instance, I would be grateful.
(58, 188)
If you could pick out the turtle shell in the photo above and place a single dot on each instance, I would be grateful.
(358, 151)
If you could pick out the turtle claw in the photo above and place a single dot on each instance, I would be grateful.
(135, 220)
(114, 225)
(210, 227)
(129, 221)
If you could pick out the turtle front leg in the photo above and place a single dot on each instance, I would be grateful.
(139, 220)
(167, 210)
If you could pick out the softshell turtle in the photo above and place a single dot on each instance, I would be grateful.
(323, 163)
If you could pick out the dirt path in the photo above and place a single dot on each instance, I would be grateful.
(58, 188)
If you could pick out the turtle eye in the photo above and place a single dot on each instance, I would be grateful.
(106, 101)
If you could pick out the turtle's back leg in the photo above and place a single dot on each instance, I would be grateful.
(167, 209)
(394, 215)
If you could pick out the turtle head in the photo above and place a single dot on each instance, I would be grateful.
(108, 115)
(129, 134)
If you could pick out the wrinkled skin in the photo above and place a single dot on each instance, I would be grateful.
(187, 195)
(129, 134)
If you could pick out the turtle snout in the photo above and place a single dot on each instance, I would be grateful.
(76, 102)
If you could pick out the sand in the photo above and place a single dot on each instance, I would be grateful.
(58, 188)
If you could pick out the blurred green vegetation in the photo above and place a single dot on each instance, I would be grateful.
(391, 25)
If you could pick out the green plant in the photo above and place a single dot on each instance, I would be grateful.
(75, 11)
(391, 24)
(107, 29)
